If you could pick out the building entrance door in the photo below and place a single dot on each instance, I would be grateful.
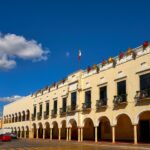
(144, 130)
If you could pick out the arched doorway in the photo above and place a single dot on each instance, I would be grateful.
(55, 130)
(13, 118)
(74, 129)
(16, 117)
(19, 116)
(27, 132)
(23, 115)
(15, 130)
(88, 130)
(47, 130)
(23, 132)
(124, 128)
(19, 133)
(9, 118)
(144, 127)
(34, 130)
(28, 115)
(104, 132)
(63, 130)
(40, 131)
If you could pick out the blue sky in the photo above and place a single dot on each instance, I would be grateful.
(100, 28)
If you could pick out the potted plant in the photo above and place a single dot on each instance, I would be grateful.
(111, 60)
(88, 69)
(129, 52)
(63, 81)
(103, 63)
(95, 67)
(121, 55)
(145, 45)
(54, 84)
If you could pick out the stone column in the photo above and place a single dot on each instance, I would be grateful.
(69, 134)
(95, 134)
(59, 134)
(31, 134)
(67, 138)
(135, 134)
(51, 133)
(37, 133)
(79, 135)
(43, 133)
(113, 134)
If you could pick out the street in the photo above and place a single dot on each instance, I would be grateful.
(23, 144)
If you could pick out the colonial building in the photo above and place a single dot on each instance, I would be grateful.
(109, 101)
(1, 123)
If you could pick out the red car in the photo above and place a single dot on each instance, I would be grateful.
(5, 137)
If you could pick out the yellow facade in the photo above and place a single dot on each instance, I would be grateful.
(117, 118)
(1, 123)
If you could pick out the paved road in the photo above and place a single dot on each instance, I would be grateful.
(63, 145)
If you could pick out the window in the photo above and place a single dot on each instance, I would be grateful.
(55, 107)
(88, 97)
(121, 89)
(40, 109)
(73, 98)
(34, 111)
(47, 108)
(64, 104)
(145, 81)
(103, 93)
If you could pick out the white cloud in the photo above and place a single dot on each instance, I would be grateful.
(13, 46)
(10, 99)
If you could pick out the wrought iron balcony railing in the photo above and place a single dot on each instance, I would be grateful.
(23, 118)
(120, 99)
(71, 108)
(101, 103)
(86, 106)
(62, 111)
(39, 116)
(141, 95)
(27, 117)
(54, 113)
(33, 117)
(46, 114)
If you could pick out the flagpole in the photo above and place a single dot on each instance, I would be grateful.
(79, 63)
(79, 59)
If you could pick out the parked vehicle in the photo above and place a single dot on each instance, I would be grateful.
(13, 135)
(5, 137)
(5, 131)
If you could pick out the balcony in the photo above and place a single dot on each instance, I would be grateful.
(62, 111)
(142, 95)
(120, 99)
(54, 113)
(27, 117)
(46, 114)
(72, 109)
(33, 117)
(102, 103)
(39, 116)
(86, 106)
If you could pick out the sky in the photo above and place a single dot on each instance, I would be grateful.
(40, 39)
